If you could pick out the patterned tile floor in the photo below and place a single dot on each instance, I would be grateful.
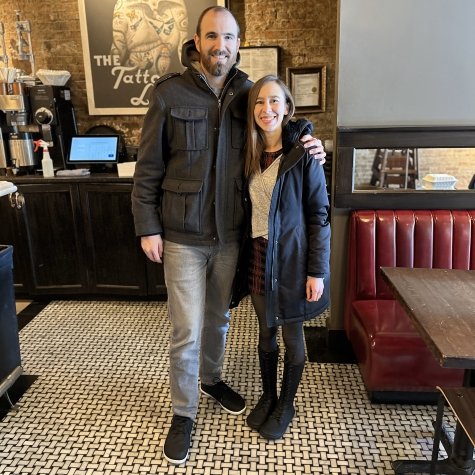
(101, 406)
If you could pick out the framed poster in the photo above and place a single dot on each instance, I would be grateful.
(128, 44)
(258, 61)
(308, 88)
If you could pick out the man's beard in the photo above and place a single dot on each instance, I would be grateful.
(217, 69)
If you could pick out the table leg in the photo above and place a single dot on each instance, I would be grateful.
(460, 459)
(462, 450)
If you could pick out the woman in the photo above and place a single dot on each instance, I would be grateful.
(290, 251)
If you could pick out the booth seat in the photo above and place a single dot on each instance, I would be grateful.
(394, 361)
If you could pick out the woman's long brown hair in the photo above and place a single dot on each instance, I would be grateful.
(255, 142)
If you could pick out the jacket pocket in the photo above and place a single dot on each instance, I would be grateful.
(181, 204)
(190, 128)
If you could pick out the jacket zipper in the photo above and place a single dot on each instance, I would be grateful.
(274, 243)
(223, 93)
(203, 77)
(228, 82)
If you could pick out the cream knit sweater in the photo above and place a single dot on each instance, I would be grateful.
(261, 186)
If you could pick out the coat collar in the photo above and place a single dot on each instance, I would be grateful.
(294, 151)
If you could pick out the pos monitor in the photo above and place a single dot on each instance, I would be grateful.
(94, 150)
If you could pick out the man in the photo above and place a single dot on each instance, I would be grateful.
(187, 209)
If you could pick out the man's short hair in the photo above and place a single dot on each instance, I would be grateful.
(216, 8)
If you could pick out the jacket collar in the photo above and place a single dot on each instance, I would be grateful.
(293, 149)
(293, 130)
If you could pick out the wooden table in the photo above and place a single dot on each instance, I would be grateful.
(441, 303)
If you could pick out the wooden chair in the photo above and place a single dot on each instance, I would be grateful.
(462, 402)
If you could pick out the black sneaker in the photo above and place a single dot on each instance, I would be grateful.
(178, 441)
(229, 400)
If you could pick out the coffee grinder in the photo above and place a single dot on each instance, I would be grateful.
(53, 111)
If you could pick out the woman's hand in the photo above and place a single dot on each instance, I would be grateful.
(314, 288)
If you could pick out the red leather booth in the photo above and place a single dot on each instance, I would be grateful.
(392, 357)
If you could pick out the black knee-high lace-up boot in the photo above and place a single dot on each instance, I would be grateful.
(268, 400)
(277, 423)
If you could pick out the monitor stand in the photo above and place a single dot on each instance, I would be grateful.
(102, 168)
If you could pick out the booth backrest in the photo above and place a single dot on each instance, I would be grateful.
(442, 239)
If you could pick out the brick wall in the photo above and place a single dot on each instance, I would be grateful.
(56, 39)
(306, 32)
(304, 29)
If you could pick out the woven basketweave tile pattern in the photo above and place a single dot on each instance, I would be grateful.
(101, 404)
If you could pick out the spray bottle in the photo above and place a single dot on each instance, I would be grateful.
(46, 162)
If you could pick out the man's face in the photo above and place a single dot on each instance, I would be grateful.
(218, 43)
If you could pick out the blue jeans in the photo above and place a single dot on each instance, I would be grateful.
(199, 282)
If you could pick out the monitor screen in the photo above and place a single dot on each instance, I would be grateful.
(94, 149)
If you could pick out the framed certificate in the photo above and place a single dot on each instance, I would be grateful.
(308, 87)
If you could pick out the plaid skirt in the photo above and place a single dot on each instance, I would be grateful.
(257, 266)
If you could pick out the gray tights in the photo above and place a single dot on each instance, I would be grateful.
(292, 334)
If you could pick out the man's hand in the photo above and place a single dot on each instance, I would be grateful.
(153, 247)
(314, 147)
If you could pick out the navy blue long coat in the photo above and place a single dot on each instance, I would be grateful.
(299, 233)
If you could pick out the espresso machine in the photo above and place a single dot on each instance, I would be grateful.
(31, 113)
(16, 150)
(53, 112)
(31, 109)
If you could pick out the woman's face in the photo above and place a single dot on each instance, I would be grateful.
(270, 107)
